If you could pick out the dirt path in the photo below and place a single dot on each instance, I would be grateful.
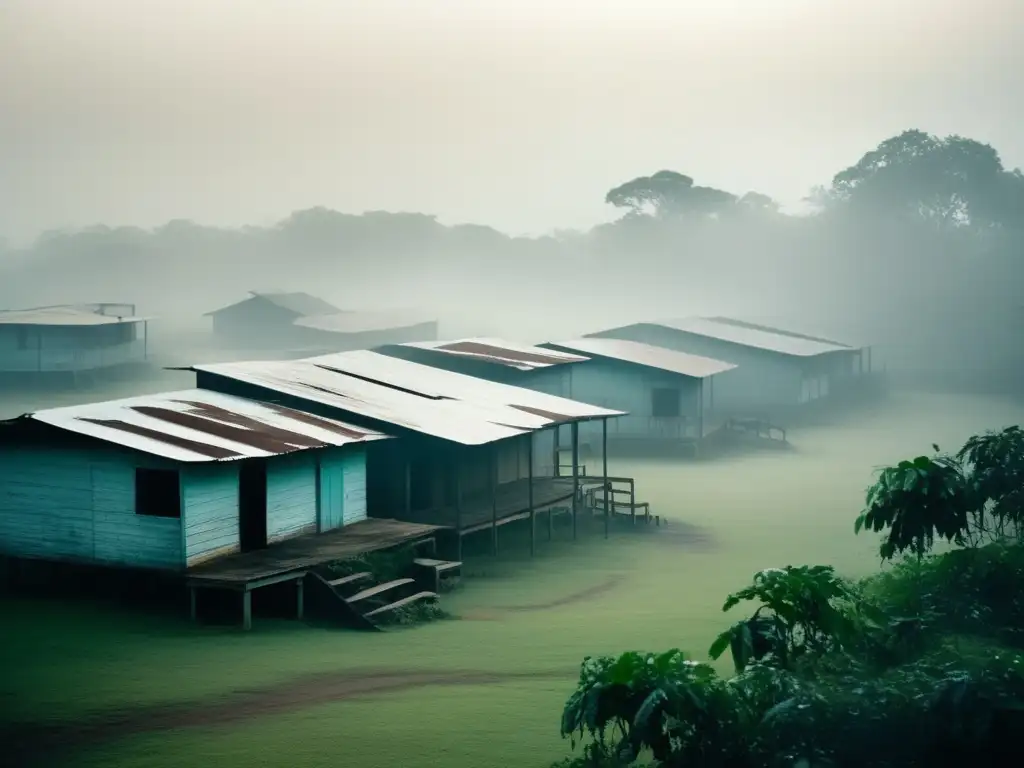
(40, 744)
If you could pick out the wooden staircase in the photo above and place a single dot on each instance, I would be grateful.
(359, 602)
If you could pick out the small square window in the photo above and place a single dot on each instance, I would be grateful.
(665, 403)
(157, 493)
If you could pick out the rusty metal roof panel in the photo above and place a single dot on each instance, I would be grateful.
(522, 357)
(648, 356)
(364, 322)
(758, 338)
(443, 404)
(198, 425)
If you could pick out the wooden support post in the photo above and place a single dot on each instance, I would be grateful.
(494, 497)
(632, 499)
(607, 489)
(555, 456)
(575, 473)
(700, 411)
(300, 598)
(458, 505)
(247, 610)
(533, 512)
(192, 603)
(408, 488)
(869, 359)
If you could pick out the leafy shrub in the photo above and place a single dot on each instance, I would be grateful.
(915, 501)
(995, 464)
(677, 709)
(802, 609)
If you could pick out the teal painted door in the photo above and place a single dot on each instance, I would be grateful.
(332, 491)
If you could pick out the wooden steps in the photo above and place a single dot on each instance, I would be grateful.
(354, 600)
(378, 590)
(431, 573)
(352, 578)
(378, 612)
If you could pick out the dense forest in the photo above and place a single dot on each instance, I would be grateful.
(915, 247)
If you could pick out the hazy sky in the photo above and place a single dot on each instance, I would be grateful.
(515, 113)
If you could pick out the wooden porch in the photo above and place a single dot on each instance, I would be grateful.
(292, 560)
(509, 502)
(294, 556)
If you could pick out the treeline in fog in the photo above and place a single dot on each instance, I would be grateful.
(917, 247)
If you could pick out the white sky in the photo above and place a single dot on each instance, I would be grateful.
(520, 114)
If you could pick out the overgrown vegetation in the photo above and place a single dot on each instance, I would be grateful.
(385, 565)
(922, 664)
(389, 565)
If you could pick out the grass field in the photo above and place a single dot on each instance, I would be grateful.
(64, 662)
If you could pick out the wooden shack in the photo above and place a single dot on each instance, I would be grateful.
(71, 339)
(301, 324)
(506, 362)
(778, 372)
(669, 396)
(174, 480)
(465, 455)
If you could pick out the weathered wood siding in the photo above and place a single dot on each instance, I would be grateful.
(80, 505)
(31, 349)
(630, 388)
(342, 487)
(354, 472)
(332, 490)
(761, 380)
(210, 511)
(291, 496)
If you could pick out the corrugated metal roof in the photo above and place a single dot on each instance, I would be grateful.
(781, 343)
(63, 315)
(302, 304)
(648, 356)
(776, 329)
(199, 425)
(364, 322)
(431, 401)
(522, 357)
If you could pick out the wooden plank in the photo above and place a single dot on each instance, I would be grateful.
(402, 603)
(440, 565)
(379, 590)
(350, 579)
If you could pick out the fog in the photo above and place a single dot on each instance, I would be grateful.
(179, 156)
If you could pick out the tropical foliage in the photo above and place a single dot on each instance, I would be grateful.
(922, 664)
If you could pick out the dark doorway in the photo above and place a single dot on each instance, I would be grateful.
(252, 505)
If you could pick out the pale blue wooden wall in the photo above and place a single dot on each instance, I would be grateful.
(291, 495)
(210, 511)
(761, 379)
(332, 490)
(354, 470)
(80, 505)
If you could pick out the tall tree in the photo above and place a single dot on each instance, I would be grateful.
(668, 193)
(952, 181)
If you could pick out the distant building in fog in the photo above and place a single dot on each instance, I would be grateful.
(298, 323)
(71, 339)
(777, 370)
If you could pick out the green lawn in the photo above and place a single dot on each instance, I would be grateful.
(763, 510)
